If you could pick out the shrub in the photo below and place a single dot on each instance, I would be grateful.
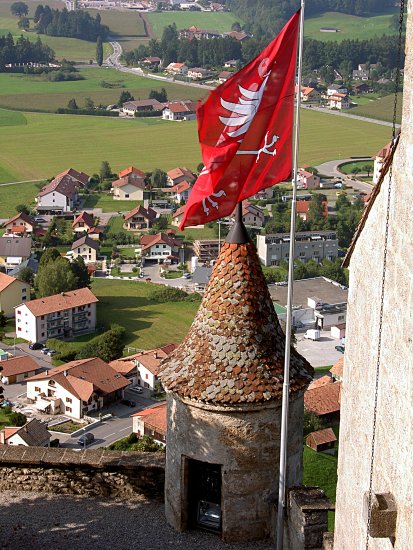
(170, 294)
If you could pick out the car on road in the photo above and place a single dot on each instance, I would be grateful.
(51, 352)
(35, 345)
(38, 219)
(186, 275)
(44, 351)
(128, 402)
(136, 389)
(340, 349)
(86, 439)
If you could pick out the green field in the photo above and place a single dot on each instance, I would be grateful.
(12, 195)
(148, 324)
(380, 108)
(351, 27)
(121, 23)
(26, 92)
(107, 204)
(348, 167)
(83, 142)
(69, 48)
(213, 21)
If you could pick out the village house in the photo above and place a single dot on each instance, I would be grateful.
(12, 293)
(362, 88)
(263, 194)
(177, 216)
(324, 401)
(148, 363)
(33, 434)
(83, 223)
(338, 101)
(132, 173)
(336, 370)
(303, 209)
(79, 178)
(130, 108)
(129, 189)
(151, 422)
(336, 89)
(379, 159)
(309, 245)
(126, 368)
(232, 63)
(75, 388)
(241, 36)
(18, 369)
(310, 95)
(318, 382)
(198, 73)
(176, 68)
(338, 331)
(151, 61)
(206, 250)
(87, 248)
(307, 180)
(14, 251)
(20, 225)
(180, 110)
(198, 33)
(139, 218)
(321, 440)
(177, 175)
(59, 316)
(200, 278)
(160, 247)
(251, 215)
(58, 196)
(180, 191)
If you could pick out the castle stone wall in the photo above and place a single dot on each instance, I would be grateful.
(92, 473)
(245, 441)
(393, 460)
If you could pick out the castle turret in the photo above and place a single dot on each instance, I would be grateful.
(224, 389)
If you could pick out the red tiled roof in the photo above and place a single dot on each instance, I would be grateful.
(22, 216)
(321, 437)
(176, 173)
(18, 365)
(130, 170)
(86, 240)
(5, 281)
(155, 417)
(384, 152)
(79, 176)
(234, 350)
(323, 400)
(179, 187)
(320, 382)
(86, 218)
(159, 238)
(178, 212)
(338, 368)
(124, 367)
(18, 229)
(151, 359)
(8, 432)
(128, 181)
(147, 213)
(59, 302)
(302, 207)
(62, 184)
(181, 106)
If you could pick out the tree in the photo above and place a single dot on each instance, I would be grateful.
(160, 224)
(161, 96)
(80, 271)
(71, 104)
(3, 320)
(356, 170)
(105, 171)
(124, 97)
(89, 104)
(49, 255)
(26, 274)
(367, 168)
(19, 9)
(236, 26)
(99, 51)
(55, 277)
(312, 422)
(17, 419)
(159, 178)
(23, 23)
(23, 209)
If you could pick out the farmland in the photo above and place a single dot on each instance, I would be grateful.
(380, 108)
(83, 142)
(103, 86)
(206, 20)
(351, 27)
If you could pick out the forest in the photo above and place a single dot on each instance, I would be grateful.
(70, 24)
(23, 51)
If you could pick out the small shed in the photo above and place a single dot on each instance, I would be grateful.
(338, 331)
(321, 440)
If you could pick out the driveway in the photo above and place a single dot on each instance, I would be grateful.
(320, 353)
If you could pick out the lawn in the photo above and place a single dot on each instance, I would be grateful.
(12, 195)
(146, 143)
(380, 109)
(26, 92)
(320, 469)
(68, 48)
(148, 324)
(206, 20)
(108, 204)
(348, 167)
(194, 233)
(122, 23)
(351, 27)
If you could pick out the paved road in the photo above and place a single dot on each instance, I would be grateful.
(348, 115)
(320, 353)
(330, 168)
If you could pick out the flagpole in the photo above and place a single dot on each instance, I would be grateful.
(286, 383)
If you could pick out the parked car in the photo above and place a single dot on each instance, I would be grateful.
(128, 402)
(85, 439)
(51, 352)
(136, 389)
(35, 345)
(45, 350)
(186, 275)
(340, 349)
(38, 219)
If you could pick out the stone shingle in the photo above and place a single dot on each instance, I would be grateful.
(234, 350)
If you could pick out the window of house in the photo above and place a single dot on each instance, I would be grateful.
(18, 312)
(36, 388)
(69, 409)
(146, 376)
(19, 320)
(19, 328)
(23, 290)
(42, 317)
(26, 375)
(68, 400)
(341, 317)
(43, 334)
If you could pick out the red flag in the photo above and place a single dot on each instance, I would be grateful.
(245, 131)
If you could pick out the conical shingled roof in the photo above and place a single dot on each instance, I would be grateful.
(234, 350)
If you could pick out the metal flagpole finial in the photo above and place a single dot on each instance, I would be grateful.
(238, 233)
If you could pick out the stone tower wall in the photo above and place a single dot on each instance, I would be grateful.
(246, 444)
(393, 462)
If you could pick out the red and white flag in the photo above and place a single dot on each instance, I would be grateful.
(245, 131)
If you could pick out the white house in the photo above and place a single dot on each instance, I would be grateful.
(307, 180)
(177, 175)
(60, 195)
(76, 388)
(379, 159)
(338, 101)
(87, 248)
(33, 434)
(176, 68)
(159, 247)
(130, 108)
(61, 315)
(151, 422)
(14, 251)
(18, 369)
(180, 110)
(20, 224)
(83, 223)
(148, 363)
(251, 215)
(129, 189)
(197, 73)
(334, 89)
(180, 191)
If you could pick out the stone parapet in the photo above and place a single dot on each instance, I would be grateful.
(95, 472)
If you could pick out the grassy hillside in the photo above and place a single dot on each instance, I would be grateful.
(21, 91)
(351, 26)
(206, 20)
(380, 108)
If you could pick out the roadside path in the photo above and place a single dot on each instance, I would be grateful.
(348, 115)
(24, 181)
